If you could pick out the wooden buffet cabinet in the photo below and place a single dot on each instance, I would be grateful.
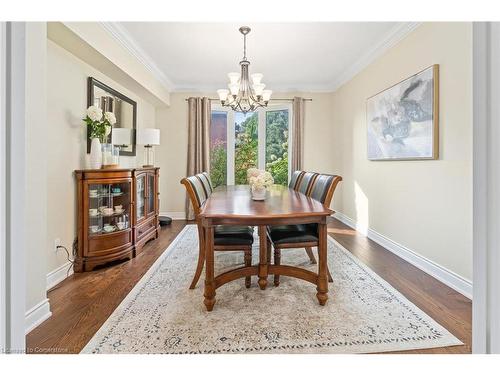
(117, 214)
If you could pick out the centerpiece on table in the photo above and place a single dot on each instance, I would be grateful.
(259, 180)
(99, 125)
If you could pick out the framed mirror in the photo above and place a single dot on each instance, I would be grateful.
(124, 108)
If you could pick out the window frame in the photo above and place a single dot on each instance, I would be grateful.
(261, 134)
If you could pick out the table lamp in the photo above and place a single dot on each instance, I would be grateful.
(120, 138)
(148, 137)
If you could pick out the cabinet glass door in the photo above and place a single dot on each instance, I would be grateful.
(151, 194)
(140, 198)
(109, 207)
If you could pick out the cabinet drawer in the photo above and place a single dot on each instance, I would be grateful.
(110, 242)
(145, 228)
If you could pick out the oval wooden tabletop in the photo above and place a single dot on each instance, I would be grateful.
(281, 202)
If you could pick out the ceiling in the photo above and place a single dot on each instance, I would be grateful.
(292, 56)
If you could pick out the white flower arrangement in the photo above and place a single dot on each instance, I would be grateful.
(110, 116)
(252, 172)
(94, 113)
(99, 124)
(259, 179)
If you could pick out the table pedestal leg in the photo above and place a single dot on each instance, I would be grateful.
(209, 292)
(263, 271)
(322, 286)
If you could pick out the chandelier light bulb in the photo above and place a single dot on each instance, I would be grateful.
(266, 95)
(234, 77)
(234, 87)
(223, 93)
(258, 88)
(257, 78)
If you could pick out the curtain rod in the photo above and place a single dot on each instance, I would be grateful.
(281, 100)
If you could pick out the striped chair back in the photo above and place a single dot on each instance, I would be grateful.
(207, 183)
(197, 191)
(323, 188)
(306, 182)
(295, 179)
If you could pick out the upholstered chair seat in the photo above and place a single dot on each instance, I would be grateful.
(233, 235)
(299, 233)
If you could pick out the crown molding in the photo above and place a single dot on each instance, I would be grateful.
(276, 88)
(393, 37)
(121, 35)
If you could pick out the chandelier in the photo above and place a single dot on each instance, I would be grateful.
(243, 96)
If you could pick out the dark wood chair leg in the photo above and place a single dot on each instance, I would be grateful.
(310, 255)
(277, 262)
(199, 267)
(330, 280)
(209, 291)
(269, 248)
(248, 263)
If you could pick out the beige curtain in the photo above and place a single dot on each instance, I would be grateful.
(198, 158)
(298, 134)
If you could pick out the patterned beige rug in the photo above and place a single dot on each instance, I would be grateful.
(364, 313)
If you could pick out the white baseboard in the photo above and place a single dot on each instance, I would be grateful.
(450, 278)
(37, 315)
(175, 215)
(59, 274)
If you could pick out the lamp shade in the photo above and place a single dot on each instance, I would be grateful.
(148, 136)
(121, 136)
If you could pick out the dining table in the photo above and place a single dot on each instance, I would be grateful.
(233, 205)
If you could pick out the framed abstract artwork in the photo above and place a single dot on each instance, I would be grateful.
(402, 121)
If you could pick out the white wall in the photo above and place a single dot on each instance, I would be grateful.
(172, 154)
(36, 163)
(425, 206)
(67, 100)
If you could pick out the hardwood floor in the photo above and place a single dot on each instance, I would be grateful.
(446, 306)
(83, 302)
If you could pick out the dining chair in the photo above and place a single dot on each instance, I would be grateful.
(207, 182)
(319, 187)
(226, 237)
(296, 176)
(303, 183)
(306, 182)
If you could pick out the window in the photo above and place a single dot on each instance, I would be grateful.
(277, 145)
(218, 148)
(240, 141)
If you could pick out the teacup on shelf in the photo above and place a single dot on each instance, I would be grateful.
(94, 228)
(108, 211)
(108, 228)
(121, 225)
(93, 193)
(119, 207)
(93, 212)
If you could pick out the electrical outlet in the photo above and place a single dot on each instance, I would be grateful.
(57, 242)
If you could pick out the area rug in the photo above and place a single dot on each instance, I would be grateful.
(363, 314)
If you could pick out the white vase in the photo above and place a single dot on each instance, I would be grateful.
(95, 154)
(258, 194)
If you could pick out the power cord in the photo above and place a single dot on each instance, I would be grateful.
(68, 257)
